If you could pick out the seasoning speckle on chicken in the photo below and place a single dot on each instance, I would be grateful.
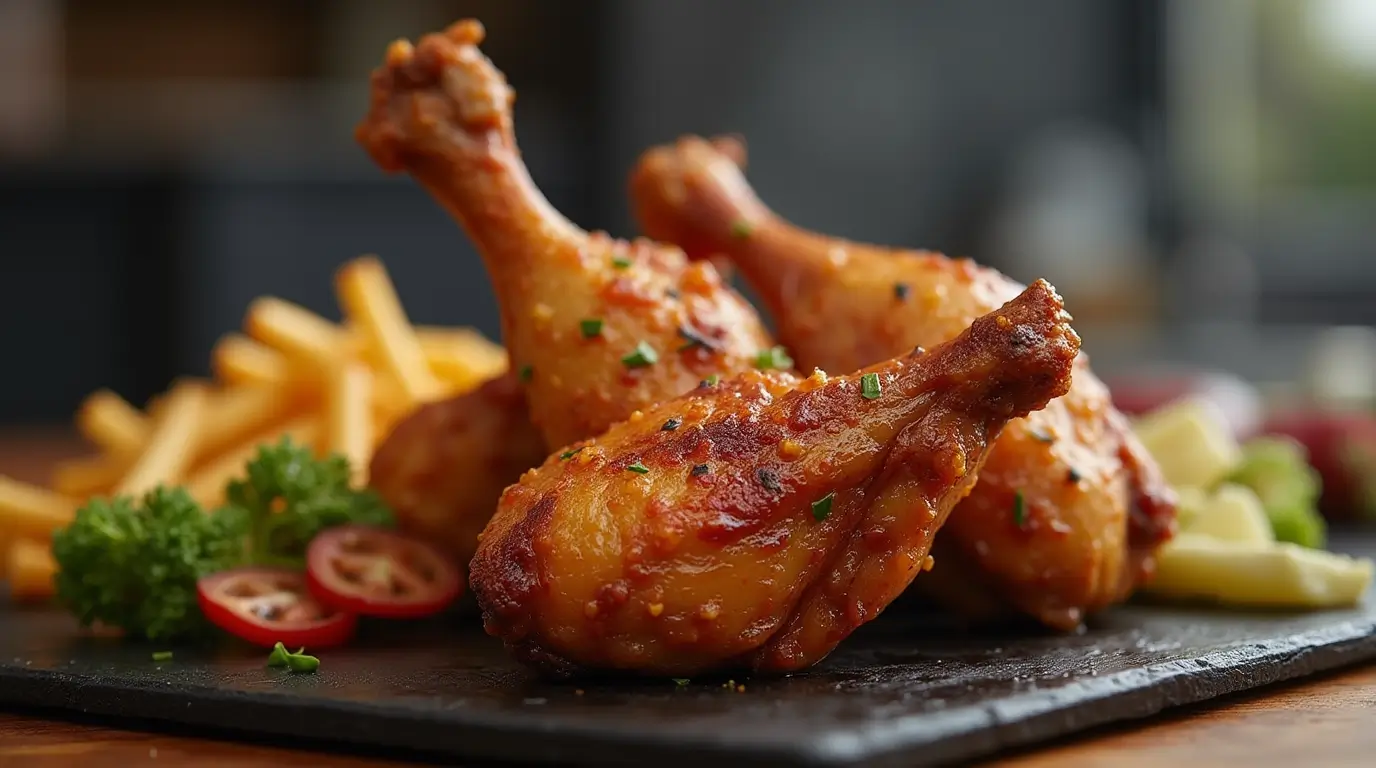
(1026, 538)
(779, 515)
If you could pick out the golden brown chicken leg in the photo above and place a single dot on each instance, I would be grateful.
(1068, 510)
(596, 327)
(442, 468)
(757, 522)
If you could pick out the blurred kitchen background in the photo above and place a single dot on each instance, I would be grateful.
(1197, 177)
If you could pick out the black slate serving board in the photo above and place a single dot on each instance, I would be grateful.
(906, 690)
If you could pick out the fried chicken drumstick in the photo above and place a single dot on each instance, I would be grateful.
(1069, 509)
(596, 328)
(442, 468)
(757, 522)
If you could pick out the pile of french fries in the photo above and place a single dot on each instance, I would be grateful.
(339, 387)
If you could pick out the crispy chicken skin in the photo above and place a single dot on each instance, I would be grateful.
(757, 522)
(442, 468)
(656, 323)
(1092, 507)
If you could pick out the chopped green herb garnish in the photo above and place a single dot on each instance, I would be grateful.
(162, 655)
(672, 424)
(641, 356)
(620, 262)
(768, 478)
(591, 327)
(672, 293)
(699, 469)
(570, 453)
(296, 662)
(775, 358)
(681, 681)
(278, 656)
(869, 386)
(821, 508)
(526, 373)
(710, 381)
(1042, 436)
(1019, 509)
(1073, 476)
(639, 469)
(741, 229)
(901, 291)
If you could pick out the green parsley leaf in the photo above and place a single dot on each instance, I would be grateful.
(162, 655)
(710, 381)
(641, 356)
(681, 681)
(570, 453)
(741, 229)
(638, 468)
(1019, 509)
(870, 388)
(591, 327)
(821, 508)
(901, 291)
(620, 262)
(775, 358)
(526, 373)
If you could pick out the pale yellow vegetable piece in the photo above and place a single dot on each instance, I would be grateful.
(207, 484)
(110, 422)
(1191, 502)
(349, 422)
(297, 332)
(1190, 442)
(28, 510)
(239, 360)
(86, 477)
(29, 569)
(1195, 567)
(370, 302)
(171, 446)
(1232, 513)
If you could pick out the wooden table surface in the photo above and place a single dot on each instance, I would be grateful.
(1328, 721)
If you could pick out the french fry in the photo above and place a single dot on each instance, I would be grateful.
(86, 477)
(349, 421)
(34, 512)
(461, 357)
(371, 304)
(30, 568)
(207, 483)
(238, 360)
(171, 445)
(233, 415)
(110, 422)
(297, 332)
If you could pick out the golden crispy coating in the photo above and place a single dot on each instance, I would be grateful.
(598, 327)
(1091, 508)
(757, 522)
(443, 468)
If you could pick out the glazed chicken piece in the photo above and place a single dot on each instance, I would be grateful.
(442, 468)
(596, 327)
(1068, 511)
(757, 522)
